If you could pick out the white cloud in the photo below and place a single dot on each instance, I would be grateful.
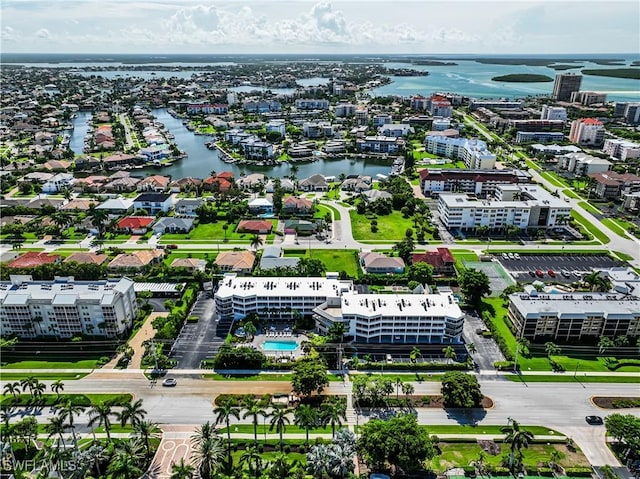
(43, 33)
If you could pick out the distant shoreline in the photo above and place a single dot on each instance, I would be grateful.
(523, 78)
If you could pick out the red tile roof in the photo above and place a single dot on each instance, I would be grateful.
(437, 259)
(32, 259)
(254, 226)
(135, 222)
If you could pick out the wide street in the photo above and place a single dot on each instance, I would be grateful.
(560, 406)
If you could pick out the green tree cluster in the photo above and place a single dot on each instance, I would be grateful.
(461, 390)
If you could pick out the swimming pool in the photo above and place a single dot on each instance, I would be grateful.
(271, 345)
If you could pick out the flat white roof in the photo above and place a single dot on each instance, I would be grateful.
(232, 285)
(389, 305)
(60, 292)
(577, 305)
(541, 197)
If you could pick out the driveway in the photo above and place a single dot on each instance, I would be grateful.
(487, 351)
(198, 341)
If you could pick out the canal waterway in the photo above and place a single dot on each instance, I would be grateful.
(201, 161)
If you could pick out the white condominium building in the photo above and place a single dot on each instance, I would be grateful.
(65, 308)
(553, 113)
(473, 152)
(523, 206)
(277, 297)
(621, 149)
(372, 318)
(574, 316)
(587, 131)
(395, 318)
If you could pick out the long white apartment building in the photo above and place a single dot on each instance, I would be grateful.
(372, 318)
(524, 206)
(621, 149)
(65, 308)
(574, 316)
(473, 152)
(394, 318)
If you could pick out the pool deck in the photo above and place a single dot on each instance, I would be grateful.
(288, 336)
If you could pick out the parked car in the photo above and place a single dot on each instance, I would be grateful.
(516, 255)
(172, 246)
(539, 274)
(594, 420)
(532, 274)
(170, 382)
(565, 273)
(511, 256)
(551, 273)
(505, 256)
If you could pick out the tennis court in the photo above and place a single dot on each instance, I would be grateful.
(499, 279)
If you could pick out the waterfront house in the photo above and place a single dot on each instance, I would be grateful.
(315, 182)
(185, 184)
(154, 183)
(357, 183)
(251, 181)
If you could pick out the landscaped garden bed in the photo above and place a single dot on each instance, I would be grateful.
(612, 402)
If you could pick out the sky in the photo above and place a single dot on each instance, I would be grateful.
(313, 26)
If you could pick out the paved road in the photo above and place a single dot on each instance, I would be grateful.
(560, 406)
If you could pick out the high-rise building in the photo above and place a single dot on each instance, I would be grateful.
(565, 85)
(587, 131)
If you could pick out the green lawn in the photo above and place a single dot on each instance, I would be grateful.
(212, 232)
(592, 229)
(614, 226)
(623, 256)
(290, 429)
(462, 454)
(335, 260)
(590, 208)
(463, 255)
(390, 227)
(486, 429)
(336, 213)
(85, 364)
(571, 194)
(5, 376)
(248, 377)
(553, 179)
(189, 254)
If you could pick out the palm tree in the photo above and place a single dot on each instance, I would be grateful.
(414, 354)
(132, 413)
(28, 383)
(604, 344)
(38, 389)
(251, 457)
(253, 410)
(57, 387)
(100, 414)
(12, 388)
(518, 438)
(56, 426)
(551, 349)
(597, 282)
(146, 430)
(449, 354)
(333, 412)
(256, 241)
(68, 411)
(182, 470)
(250, 329)
(224, 413)
(408, 389)
(126, 462)
(471, 347)
(279, 421)
(208, 450)
(306, 417)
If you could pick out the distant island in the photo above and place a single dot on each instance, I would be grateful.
(522, 78)
(434, 63)
(629, 73)
(545, 62)
(564, 67)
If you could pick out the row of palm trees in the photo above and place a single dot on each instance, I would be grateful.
(34, 386)
(331, 413)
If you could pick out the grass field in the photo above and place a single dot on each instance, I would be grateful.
(5, 376)
(571, 194)
(210, 232)
(579, 378)
(553, 179)
(85, 364)
(390, 227)
(189, 254)
(335, 260)
(589, 207)
(592, 229)
(486, 429)
(336, 213)
(614, 226)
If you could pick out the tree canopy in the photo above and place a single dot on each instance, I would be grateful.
(461, 390)
(474, 285)
(399, 441)
(309, 376)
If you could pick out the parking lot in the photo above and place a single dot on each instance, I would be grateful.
(197, 341)
(567, 268)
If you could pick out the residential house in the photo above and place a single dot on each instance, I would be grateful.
(442, 261)
(135, 225)
(38, 203)
(371, 196)
(185, 184)
(137, 260)
(119, 160)
(357, 183)
(87, 258)
(79, 204)
(236, 261)
(31, 259)
(296, 205)
(116, 206)
(90, 184)
(191, 264)
(315, 182)
(56, 165)
(216, 184)
(188, 206)
(154, 202)
(260, 206)
(251, 181)
(255, 226)
(376, 263)
(299, 227)
(58, 183)
(38, 177)
(272, 258)
(122, 184)
(173, 224)
(285, 183)
(154, 183)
